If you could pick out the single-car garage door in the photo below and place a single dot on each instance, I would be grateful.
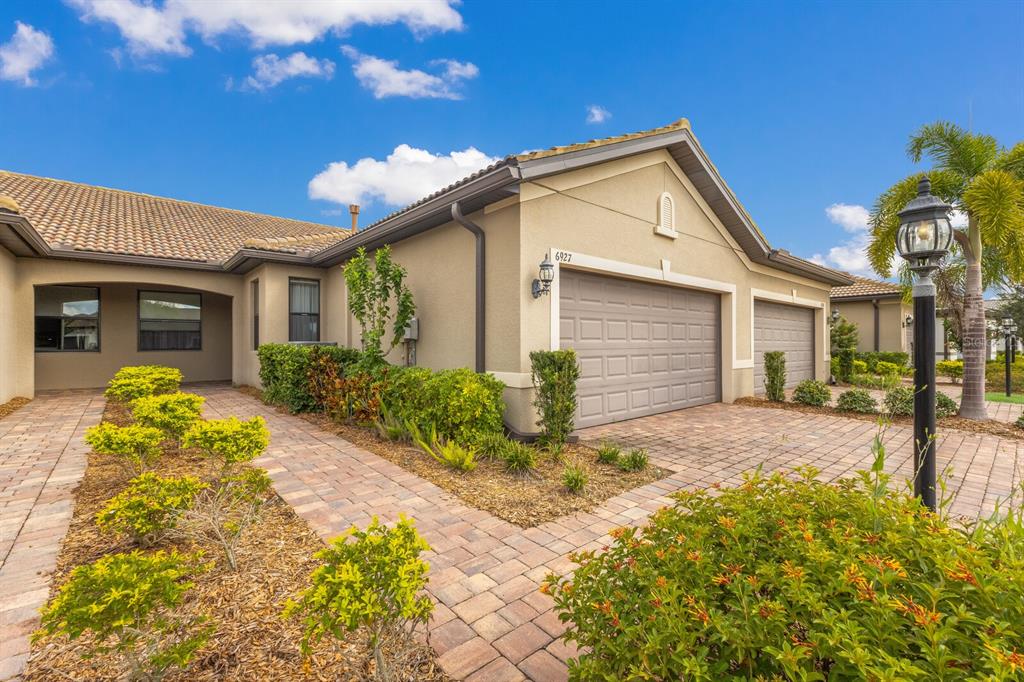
(787, 328)
(643, 348)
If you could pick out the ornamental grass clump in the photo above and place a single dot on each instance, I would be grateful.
(811, 392)
(172, 413)
(129, 604)
(786, 577)
(139, 381)
(136, 447)
(519, 458)
(574, 478)
(608, 453)
(149, 507)
(634, 460)
(369, 581)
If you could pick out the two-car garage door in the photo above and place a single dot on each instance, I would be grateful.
(787, 328)
(643, 348)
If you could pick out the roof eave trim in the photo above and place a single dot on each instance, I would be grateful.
(441, 204)
(811, 270)
(867, 297)
(21, 227)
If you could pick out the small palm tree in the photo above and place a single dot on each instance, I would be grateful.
(985, 181)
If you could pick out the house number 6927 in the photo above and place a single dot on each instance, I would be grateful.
(563, 256)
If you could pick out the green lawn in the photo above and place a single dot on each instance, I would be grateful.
(1001, 397)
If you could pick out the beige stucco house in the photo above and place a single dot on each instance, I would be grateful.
(884, 320)
(663, 284)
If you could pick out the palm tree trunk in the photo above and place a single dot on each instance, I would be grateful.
(975, 344)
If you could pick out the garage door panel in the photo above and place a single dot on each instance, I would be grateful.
(787, 328)
(657, 349)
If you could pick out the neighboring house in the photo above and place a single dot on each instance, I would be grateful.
(663, 284)
(885, 322)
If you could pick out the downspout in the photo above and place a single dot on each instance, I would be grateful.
(878, 334)
(481, 320)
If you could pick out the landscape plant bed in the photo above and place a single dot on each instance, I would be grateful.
(251, 641)
(989, 426)
(526, 501)
(12, 405)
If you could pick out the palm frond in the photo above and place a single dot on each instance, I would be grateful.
(995, 200)
(1012, 161)
(953, 148)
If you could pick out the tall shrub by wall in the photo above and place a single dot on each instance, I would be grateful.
(775, 375)
(555, 373)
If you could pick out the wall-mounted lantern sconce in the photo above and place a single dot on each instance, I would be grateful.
(909, 320)
(835, 315)
(542, 285)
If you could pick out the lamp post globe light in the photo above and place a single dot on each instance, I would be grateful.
(923, 239)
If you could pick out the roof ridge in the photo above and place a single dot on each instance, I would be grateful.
(162, 198)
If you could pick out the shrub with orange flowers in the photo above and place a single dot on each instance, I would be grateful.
(787, 577)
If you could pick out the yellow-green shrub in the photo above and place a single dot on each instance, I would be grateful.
(951, 369)
(128, 603)
(371, 579)
(795, 579)
(134, 382)
(149, 506)
(172, 413)
(138, 447)
(230, 440)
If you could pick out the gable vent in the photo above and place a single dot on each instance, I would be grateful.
(666, 216)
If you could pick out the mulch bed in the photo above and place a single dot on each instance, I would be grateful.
(252, 641)
(12, 405)
(987, 426)
(525, 501)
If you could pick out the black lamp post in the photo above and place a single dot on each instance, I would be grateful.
(923, 240)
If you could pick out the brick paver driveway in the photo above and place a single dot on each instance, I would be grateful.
(42, 459)
(491, 622)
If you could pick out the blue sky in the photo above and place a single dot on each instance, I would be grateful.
(804, 107)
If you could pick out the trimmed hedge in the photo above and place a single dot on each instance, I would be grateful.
(460, 404)
(872, 358)
(284, 369)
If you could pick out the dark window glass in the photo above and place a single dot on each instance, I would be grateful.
(67, 318)
(303, 310)
(170, 320)
(255, 314)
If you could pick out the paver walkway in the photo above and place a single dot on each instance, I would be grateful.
(491, 622)
(42, 459)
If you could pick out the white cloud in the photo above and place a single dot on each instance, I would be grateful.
(851, 217)
(384, 79)
(26, 51)
(851, 255)
(597, 114)
(269, 70)
(406, 175)
(150, 28)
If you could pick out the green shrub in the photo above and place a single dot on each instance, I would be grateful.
(944, 405)
(872, 358)
(1020, 422)
(555, 373)
(811, 392)
(129, 604)
(899, 401)
(460, 403)
(490, 445)
(139, 381)
(390, 427)
(783, 579)
(846, 365)
(995, 376)
(137, 447)
(608, 453)
(882, 382)
(843, 334)
(857, 400)
(886, 368)
(574, 478)
(951, 369)
(148, 507)
(230, 440)
(634, 460)
(172, 413)
(285, 372)
(519, 458)
(775, 375)
(373, 580)
(859, 367)
(447, 452)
